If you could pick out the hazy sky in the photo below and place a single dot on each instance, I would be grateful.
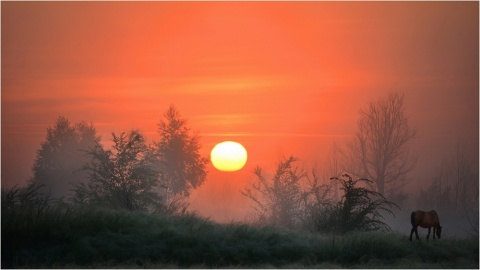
(279, 77)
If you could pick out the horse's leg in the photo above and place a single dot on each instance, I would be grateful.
(434, 230)
(411, 233)
(428, 232)
(416, 233)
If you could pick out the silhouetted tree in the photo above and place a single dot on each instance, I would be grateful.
(179, 158)
(123, 177)
(453, 190)
(281, 199)
(471, 210)
(380, 146)
(61, 157)
(460, 177)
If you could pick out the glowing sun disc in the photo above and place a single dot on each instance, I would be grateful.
(228, 156)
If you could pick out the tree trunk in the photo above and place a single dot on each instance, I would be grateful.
(381, 186)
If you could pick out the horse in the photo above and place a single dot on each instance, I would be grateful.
(425, 220)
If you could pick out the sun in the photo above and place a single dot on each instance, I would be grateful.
(228, 156)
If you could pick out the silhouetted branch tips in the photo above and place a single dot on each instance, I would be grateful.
(380, 149)
(278, 200)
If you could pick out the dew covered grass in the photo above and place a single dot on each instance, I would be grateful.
(103, 238)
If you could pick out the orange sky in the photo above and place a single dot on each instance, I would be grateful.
(279, 77)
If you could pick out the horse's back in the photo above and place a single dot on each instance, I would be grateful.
(424, 219)
(417, 217)
(435, 218)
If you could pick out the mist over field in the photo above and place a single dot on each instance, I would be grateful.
(349, 117)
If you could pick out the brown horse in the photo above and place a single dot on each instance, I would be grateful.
(425, 220)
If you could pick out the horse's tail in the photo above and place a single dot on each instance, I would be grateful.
(412, 219)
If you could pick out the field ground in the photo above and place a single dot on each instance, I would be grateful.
(100, 238)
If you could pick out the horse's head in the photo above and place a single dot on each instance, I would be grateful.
(439, 231)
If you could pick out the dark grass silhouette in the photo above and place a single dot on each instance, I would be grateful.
(66, 237)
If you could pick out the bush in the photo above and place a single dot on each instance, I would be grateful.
(280, 199)
(25, 197)
(359, 209)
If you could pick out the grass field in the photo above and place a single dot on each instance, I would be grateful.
(101, 238)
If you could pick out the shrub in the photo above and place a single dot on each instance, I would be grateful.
(359, 209)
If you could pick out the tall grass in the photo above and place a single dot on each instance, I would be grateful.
(102, 238)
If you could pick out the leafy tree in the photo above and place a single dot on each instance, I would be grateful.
(61, 157)
(381, 145)
(359, 209)
(281, 199)
(123, 177)
(179, 158)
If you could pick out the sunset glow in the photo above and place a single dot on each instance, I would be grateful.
(228, 156)
(282, 78)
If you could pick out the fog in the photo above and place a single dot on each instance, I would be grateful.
(280, 78)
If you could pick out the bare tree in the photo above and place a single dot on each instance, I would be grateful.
(471, 209)
(459, 176)
(454, 184)
(380, 146)
(454, 190)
